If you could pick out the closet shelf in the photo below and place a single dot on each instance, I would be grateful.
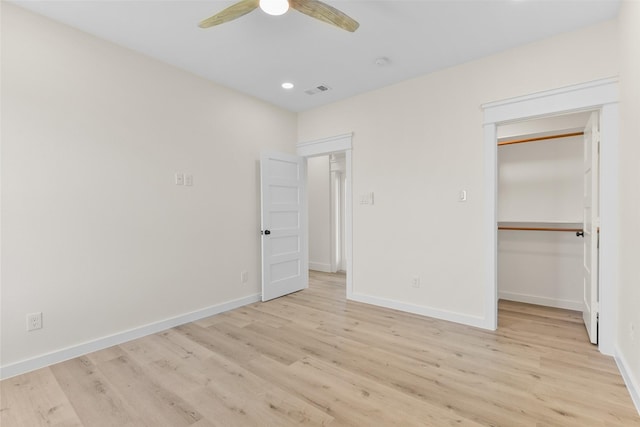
(541, 226)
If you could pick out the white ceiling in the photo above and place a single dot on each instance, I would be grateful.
(257, 52)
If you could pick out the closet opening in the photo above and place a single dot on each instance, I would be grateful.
(548, 216)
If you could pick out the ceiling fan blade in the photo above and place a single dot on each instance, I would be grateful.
(324, 12)
(232, 12)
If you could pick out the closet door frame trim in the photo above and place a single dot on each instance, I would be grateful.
(601, 95)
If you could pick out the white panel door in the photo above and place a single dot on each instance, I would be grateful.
(591, 227)
(284, 224)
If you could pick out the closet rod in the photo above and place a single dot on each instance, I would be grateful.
(573, 230)
(539, 138)
(540, 226)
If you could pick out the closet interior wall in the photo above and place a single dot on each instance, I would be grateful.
(541, 182)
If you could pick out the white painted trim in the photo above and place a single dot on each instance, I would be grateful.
(609, 229)
(348, 225)
(304, 225)
(597, 95)
(58, 356)
(337, 217)
(333, 224)
(582, 96)
(449, 316)
(538, 300)
(336, 144)
(625, 371)
(320, 266)
(491, 233)
(321, 147)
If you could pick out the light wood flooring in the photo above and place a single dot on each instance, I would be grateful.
(312, 358)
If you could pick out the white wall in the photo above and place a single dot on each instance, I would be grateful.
(94, 232)
(318, 184)
(629, 173)
(563, 123)
(416, 144)
(540, 267)
(541, 181)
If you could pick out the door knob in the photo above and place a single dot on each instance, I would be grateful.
(267, 232)
(580, 233)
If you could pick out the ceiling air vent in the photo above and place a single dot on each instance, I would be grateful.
(317, 89)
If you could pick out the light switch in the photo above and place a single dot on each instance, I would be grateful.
(188, 179)
(462, 196)
(366, 199)
(179, 179)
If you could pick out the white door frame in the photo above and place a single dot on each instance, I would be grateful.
(599, 95)
(323, 147)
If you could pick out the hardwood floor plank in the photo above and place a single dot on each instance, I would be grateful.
(244, 316)
(154, 404)
(175, 362)
(429, 381)
(96, 402)
(268, 345)
(313, 358)
(353, 399)
(35, 399)
(236, 396)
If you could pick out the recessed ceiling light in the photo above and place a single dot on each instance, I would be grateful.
(287, 85)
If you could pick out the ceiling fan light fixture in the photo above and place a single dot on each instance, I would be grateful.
(274, 7)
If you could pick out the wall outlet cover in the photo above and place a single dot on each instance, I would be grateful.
(34, 321)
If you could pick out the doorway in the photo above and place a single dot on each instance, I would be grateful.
(339, 238)
(599, 95)
(326, 183)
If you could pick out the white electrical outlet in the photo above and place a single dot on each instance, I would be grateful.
(244, 277)
(34, 321)
(188, 179)
(415, 282)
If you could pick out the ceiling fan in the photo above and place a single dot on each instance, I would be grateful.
(313, 8)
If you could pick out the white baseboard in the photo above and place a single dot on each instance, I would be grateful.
(58, 356)
(319, 266)
(477, 321)
(548, 302)
(632, 383)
